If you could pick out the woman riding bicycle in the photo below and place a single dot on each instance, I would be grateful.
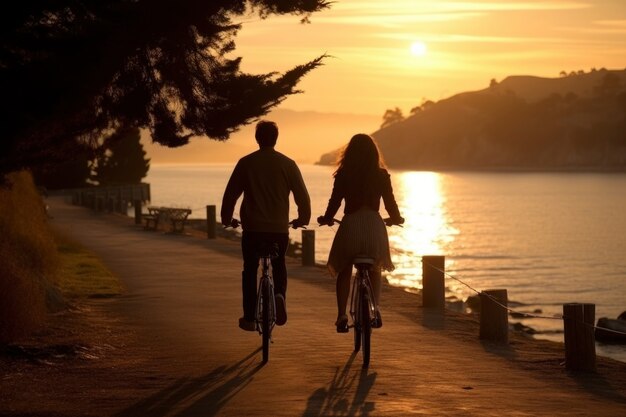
(361, 179)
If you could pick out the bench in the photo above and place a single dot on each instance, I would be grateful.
(176, 216)
(152, 218)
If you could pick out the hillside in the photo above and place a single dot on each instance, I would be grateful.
(577, 122)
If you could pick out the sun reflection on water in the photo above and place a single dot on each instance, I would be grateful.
(427, 229)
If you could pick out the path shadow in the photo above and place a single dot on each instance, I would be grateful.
(599, 385)
(346, 395)
(433, 318)
(504, 350)
(204, 395)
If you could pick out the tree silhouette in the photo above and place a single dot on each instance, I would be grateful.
(392, 116)
(609, 85)
(122, 159)
(72, 68)
(415, 110)
(427, 104)
(70, 172)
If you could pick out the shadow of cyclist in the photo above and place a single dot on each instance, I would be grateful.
(346, 395)
(204, 395)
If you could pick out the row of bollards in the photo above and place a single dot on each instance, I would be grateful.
(494, 324)
(580, 341)
(579, 319)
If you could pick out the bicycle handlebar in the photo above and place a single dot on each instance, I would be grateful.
(294, 224)
(389, 222)
(323, 222)
(235, 223)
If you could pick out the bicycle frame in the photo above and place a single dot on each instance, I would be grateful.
(363, 304)
(265, 312)
(363, 308)
(361, 284)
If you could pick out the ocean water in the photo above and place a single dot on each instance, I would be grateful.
(548, 238)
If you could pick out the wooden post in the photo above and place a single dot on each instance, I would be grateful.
(137, 211)
(494, 318)
(580, 343)
(211, 223)
(308, 247)
(433, 282)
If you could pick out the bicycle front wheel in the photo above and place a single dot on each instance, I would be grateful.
(266, 324)
(366, 327)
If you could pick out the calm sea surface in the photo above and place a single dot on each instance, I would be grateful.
(548, 238)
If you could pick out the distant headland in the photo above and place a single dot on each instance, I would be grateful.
(576, 122)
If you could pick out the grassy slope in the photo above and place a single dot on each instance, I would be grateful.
(82, 274)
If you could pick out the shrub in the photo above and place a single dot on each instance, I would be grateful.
(28, 255)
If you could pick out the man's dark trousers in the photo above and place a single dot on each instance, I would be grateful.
(251, 243)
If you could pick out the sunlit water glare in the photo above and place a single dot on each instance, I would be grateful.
(548, 238)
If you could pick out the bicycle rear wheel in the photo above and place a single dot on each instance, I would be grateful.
(366, 327)
(266, 314)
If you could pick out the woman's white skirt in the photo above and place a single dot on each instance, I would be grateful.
(362, 233)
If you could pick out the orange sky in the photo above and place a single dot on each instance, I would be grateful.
(467, 44)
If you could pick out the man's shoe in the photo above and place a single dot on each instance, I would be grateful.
(247, 325)
(281, 310)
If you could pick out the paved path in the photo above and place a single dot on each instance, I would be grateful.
(183, 293)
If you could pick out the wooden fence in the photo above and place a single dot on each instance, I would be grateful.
(114, 198)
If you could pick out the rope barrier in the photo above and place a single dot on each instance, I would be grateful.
(559, 317)
(524, 314)
(606, 329)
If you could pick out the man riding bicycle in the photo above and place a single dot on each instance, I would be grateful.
(265, 178)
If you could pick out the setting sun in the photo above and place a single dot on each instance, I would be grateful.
(418, 48)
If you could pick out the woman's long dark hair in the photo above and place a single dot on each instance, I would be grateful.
(361, 155)
(360, 161)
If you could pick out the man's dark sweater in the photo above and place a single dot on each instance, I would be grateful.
(266, 178)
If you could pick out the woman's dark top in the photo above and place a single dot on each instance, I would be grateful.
(362, 190)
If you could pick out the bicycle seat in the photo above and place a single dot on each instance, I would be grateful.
(268, 249)
(363, 260)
